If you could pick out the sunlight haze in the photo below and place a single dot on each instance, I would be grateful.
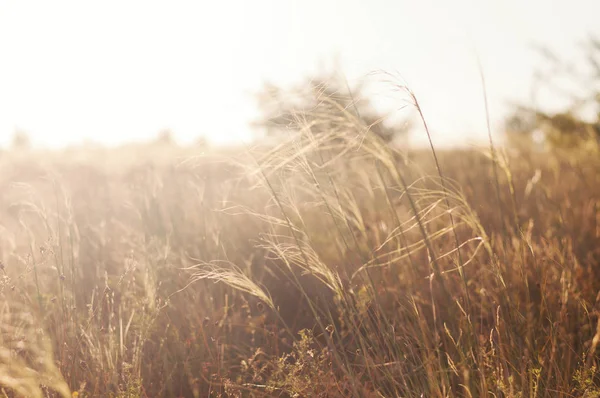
(118, 71)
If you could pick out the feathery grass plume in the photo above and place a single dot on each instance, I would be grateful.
(231, 275)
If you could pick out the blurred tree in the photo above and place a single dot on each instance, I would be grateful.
(20, 141)
(327, 104)
(201, 142)
(577, 83)
(165, 137)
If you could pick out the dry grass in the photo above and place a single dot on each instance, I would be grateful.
(328, 266)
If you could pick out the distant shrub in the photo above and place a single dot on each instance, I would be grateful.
(311, 105)
(578, 124)
(20, 141)
(165, 137)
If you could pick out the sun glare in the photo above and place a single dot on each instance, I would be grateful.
(115, 71)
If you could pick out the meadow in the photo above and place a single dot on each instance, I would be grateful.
(330, 265)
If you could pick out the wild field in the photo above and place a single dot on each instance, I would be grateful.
(328, 266)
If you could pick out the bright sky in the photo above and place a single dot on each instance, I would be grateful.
(121, 70)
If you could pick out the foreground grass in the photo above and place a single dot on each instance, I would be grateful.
(328, 266)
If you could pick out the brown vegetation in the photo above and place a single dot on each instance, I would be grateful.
(331, 265)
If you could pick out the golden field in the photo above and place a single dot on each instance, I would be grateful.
(328, 266)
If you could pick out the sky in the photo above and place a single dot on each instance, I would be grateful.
(119, 71)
